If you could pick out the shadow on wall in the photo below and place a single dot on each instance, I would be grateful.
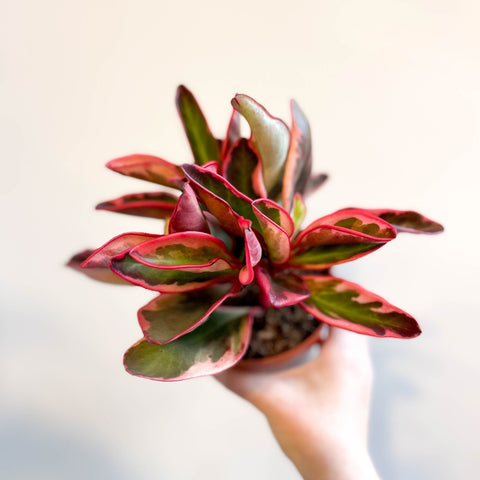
(29, 450)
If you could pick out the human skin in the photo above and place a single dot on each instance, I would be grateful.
(318, 411)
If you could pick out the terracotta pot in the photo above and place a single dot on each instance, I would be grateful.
(282, 359)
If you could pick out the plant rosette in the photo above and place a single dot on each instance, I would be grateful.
(236, 274)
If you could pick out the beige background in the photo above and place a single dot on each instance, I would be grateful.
(392, 90)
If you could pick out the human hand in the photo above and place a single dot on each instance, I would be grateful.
(318, 411)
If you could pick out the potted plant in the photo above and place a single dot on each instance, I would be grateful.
(237, 275)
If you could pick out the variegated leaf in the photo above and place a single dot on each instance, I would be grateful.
(271, 138)
(172, 315)
(275, 213)
(102, 256)
(338, 238)
(174, 279)
(227, 204)
(178, 250)
(214, 346)
(154, 204)
(150, 168)
(347, 305)
(204, 145)
(222, 200)
(403, 220)
(276, 226)
(298, 166)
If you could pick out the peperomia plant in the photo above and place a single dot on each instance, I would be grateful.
(233, 251)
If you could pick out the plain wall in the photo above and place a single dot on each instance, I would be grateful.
(392, 92)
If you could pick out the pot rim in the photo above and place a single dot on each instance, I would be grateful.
(283, 358)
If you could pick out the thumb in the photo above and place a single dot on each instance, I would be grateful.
(346, 349)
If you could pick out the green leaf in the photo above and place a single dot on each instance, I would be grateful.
(204, 145)
(214, 346)
(271, 137)
(347, 305)
(299, 211)
(240, 167)
(172, 315)
(325, 256)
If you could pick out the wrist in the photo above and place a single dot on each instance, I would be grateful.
(337, 465)
(324, 453)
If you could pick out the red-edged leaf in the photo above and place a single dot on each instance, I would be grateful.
(315, 182)
(347, 305)
(403, 220)
(188, 215)
(179, 262)
(150, 168)
(241, 166)
(179, 250)
(214, 346)
(154, 204)
(222, 200)
(270, 136)
(101, 274)
(172, 315)
(174, 279)
(212, 166)
(281, 290)
(233, 133)
(253, 252)
(338, 238)
(227, 204)
(101, 257)
(298, 166)
(203, 143)
(276, 226)
(276, 213)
